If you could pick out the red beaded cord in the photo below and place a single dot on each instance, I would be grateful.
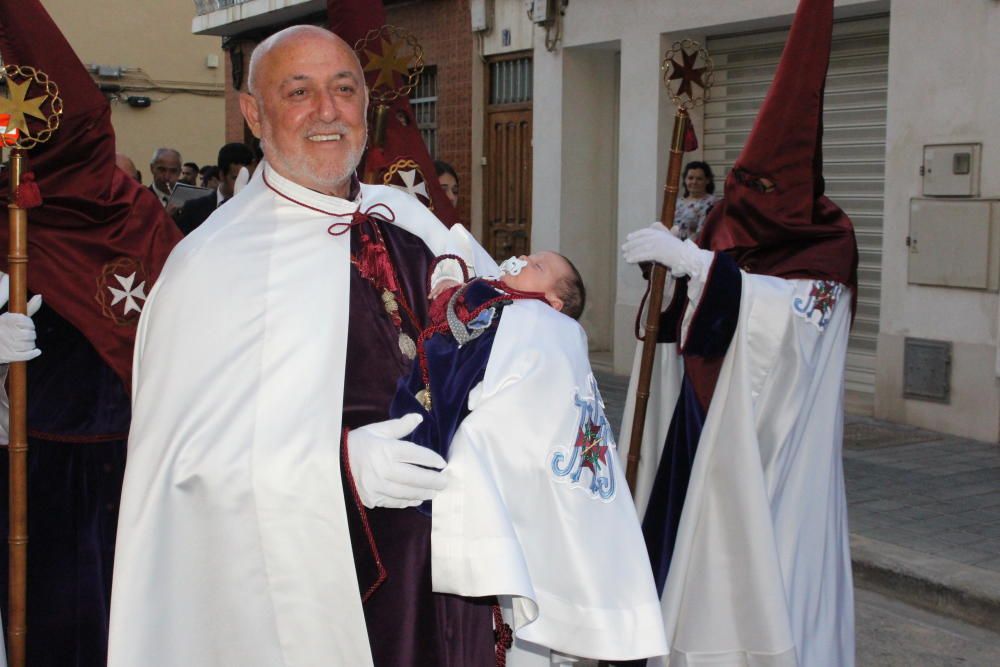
(438, 260)
(509, 294)
(378, 268)
(503, 636)
(369, 535)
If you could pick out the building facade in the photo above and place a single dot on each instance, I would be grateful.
(911, 153)
(568, 130)
(441, 102)
(174, 78)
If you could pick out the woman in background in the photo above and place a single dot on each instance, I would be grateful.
(698, 199)
(448, 180)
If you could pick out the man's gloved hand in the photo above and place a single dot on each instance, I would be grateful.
(17, 332)
(387, 470)
(656, 243)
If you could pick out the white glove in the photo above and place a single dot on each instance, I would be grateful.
(387, 470)
(17, 332)
(656, 244)
(447, 273)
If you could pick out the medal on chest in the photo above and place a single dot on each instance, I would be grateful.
(374, 265)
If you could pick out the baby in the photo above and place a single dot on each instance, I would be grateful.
(464, 314)
(546, 274)
(507, 397)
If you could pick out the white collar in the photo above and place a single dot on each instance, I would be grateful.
(304, 196)
(160, 194)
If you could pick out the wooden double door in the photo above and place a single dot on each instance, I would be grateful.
(507, 174)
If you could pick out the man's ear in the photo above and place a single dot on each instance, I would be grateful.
(251, 112)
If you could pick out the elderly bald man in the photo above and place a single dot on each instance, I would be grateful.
(165, 166)
(266, 359)
(125, 163)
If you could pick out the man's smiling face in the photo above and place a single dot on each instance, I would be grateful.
(308, 104)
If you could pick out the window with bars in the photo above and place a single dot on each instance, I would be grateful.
(510, 81)
(423, 101)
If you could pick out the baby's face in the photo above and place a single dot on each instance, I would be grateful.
(542, 273)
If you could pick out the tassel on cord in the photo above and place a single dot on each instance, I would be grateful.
(28, 195)
(374, 264)
(690, 138)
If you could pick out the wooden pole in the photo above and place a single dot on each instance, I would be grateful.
(17, 451)
(657, 279)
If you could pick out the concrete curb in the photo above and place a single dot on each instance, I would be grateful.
(943, 586)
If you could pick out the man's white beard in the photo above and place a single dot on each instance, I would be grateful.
(299, 166)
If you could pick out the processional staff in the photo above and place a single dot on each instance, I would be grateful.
(23, 194)
(695, 69)
(390, 63)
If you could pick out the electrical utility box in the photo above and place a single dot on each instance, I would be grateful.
(951, 170)
(541, 11)
(481, 13)
(954, 243)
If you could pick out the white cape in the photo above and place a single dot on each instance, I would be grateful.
(513, 522)
(233, 546)
(761, 573)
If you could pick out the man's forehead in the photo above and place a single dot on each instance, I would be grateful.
(333, 75)
(311, 50)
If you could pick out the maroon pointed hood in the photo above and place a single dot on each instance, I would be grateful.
(95, 222)
(352, 20)
(774, 218)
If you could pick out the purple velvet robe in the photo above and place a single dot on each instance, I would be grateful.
(711, 330)
(78, 420)
(407, 624)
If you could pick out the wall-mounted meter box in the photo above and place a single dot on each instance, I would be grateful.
(954, 243)
(541, 11)
(481, 13)
(951, 170)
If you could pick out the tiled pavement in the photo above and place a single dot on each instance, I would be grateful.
(924, 491)
(923, 508)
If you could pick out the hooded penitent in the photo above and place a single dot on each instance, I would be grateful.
(742, 488)
(99, 238)
(774, 218)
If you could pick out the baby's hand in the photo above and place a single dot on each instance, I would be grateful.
(442, 285)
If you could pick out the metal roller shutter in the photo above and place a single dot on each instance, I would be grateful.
(853, 145)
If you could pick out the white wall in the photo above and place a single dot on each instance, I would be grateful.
(511, 16)
(589, 179)
(478, 112)
(644, 128)
(155, 37)
(944, 87)
(644, 30)
(547, 147)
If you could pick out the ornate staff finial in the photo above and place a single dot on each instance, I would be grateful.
(19, 106)
(391, 60)
(694, 69)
